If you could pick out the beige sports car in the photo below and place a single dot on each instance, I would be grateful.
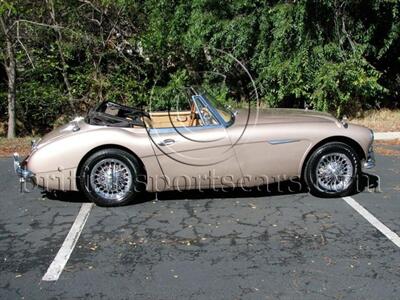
(115, 152)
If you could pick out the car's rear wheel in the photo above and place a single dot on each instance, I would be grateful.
(111, 177)
(332, 170)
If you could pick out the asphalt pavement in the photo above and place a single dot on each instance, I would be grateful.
(212, 245)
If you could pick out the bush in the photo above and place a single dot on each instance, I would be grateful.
(39, 106)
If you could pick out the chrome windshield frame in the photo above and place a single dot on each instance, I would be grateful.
(206, 103)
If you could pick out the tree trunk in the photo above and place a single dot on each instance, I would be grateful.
(11, 74)
(10, 63)
(62, 58)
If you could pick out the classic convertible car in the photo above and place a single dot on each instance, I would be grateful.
(116, 151)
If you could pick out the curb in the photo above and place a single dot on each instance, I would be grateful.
(386, 135)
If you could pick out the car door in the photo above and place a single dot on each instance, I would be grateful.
(195, 157)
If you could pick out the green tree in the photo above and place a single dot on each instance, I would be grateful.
(338, 56)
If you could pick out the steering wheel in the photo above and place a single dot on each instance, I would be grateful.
(207, 116)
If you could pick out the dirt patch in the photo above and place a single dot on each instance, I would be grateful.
(20, 145)
(388, 142)
(380, 120)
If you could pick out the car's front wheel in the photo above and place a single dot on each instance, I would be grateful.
(111, 177)
(332, 170)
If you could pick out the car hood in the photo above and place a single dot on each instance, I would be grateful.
(281, 115)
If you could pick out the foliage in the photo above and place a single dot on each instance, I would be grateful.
(338, 56)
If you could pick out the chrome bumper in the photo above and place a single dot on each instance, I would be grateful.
(23, 173)
(370, 161)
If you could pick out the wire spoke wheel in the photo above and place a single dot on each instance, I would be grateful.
(334, 172)
(111, 179)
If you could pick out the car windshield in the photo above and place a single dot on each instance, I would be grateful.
(225, 113)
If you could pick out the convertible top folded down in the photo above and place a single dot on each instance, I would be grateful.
(116, 115)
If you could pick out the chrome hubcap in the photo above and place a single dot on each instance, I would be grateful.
(334, 172)
(111, 179)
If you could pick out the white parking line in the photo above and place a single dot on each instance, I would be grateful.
(59, 262)
(374, 221)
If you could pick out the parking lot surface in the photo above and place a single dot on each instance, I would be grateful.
(213, 245)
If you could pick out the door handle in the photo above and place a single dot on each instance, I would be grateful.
(166, 142)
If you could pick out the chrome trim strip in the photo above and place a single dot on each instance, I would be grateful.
(282, 141)
(181, 129)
